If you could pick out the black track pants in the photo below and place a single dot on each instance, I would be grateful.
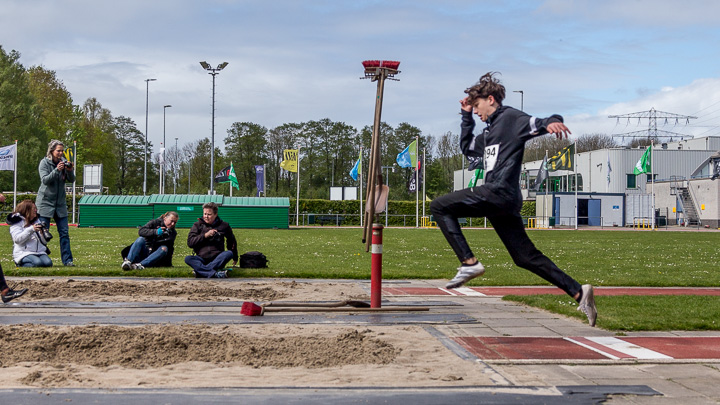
(508, 225)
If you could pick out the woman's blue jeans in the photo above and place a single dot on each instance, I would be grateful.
(140, 253)
(35, 261)
(63, 233)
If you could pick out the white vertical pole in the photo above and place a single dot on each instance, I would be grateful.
(264, 182)
(652, 185)
(417, 184)
(547, 189)
(297, 198)
(576, 188)
(424, 181)
(230, 183)
(75, 181)
(15, 176)
(360, 189)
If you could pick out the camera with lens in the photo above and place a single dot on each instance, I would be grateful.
(44, 234)
(68, 164)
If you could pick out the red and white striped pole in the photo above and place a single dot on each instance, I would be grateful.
(376, 267)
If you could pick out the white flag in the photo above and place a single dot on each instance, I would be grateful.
(7, 157)
(161, 156)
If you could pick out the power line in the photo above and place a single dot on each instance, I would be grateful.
(652, 132)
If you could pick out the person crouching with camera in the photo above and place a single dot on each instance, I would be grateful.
(55, 171)
(29, 236)
(155, 245)
(207, 239)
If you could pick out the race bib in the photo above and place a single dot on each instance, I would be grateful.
(491, 153)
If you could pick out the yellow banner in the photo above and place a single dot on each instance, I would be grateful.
(290, 160)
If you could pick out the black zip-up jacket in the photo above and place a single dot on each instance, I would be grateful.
(154, 241)
(499, 148)
(209, 248)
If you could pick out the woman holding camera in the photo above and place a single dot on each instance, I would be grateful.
(55, 171)
(155, 245)
(29, 237)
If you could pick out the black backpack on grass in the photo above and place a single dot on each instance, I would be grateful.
(253, 260)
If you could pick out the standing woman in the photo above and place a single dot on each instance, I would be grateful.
(55, 171)
(29, 247)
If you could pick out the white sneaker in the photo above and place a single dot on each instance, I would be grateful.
(587, 303)
(137, 266)
(126, 265)
(465, 274)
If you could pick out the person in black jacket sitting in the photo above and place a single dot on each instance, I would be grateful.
(155, 245)
(207, 239)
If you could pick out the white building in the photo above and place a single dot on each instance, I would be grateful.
(684, 193)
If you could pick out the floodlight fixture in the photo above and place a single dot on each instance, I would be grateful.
(213, 72)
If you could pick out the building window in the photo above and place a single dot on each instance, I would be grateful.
(631, 181)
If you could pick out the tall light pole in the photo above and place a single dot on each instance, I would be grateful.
(147, 98)
(214, 72)
(522, 98)
(163, 152)
(177, 169)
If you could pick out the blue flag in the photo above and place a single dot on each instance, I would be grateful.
(260, 179)
(357, 168)
(408, 157)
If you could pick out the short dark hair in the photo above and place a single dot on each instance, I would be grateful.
(211, 206)
(488, 85)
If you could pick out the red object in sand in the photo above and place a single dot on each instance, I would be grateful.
(251, 309)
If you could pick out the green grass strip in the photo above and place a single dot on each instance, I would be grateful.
(628, 313)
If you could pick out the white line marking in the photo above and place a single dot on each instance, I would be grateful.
(596, 350)
(628, 348)
(470, 292)
(447, 291)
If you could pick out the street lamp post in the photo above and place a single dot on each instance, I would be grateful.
(177, 169)
(162, 176)
(522, 98)
(147, 98)
(214, 72)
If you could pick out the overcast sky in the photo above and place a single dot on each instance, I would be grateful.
(295, 61)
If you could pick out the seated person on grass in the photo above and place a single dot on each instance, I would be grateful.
(29, 243)
(207, 239)
(155, 245)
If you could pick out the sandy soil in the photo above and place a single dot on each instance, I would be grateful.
(185, 290)
(252, 355)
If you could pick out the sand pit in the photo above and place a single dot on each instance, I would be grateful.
(185, 290)
(236, 355)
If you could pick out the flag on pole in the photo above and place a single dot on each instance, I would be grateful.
(227, 175)
(7, 157)
(412, 180)
(542, 175)
(477, 175)
(260, 179)
(643, 165)
(69, 153)
(233, 178)
(357, 168)
(408, 157)
(563, 160)
(290, 160)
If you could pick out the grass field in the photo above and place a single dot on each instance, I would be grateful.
(602, 258)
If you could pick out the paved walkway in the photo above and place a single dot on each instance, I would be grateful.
(528, 356)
